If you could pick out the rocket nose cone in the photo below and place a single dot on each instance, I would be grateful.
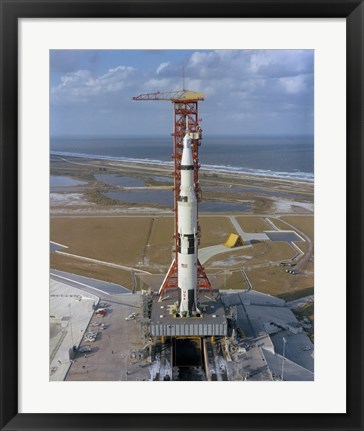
(187, 159)
(187, 141)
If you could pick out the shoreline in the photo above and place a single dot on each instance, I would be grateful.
(205, 168)
(265, 194)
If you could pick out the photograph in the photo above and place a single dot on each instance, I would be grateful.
(181, 214)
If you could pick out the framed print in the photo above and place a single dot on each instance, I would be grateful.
(181, 215)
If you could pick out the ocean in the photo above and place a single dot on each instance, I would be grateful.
(290, 157)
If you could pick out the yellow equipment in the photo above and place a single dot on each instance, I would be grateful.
(234, 240)
(181, 95)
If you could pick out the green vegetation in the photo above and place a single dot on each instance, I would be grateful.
(307, 310)
(292, 296)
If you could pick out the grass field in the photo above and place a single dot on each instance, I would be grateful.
(116, 240)
(302, 245)
(304, 224)
(307, 310)
(275, 281)
(159, 250)
(146, 243)
(140, 242)
(92, 270)
(279, 223)
(236, 281)
(252, 224)
(260, 253)
(215, 230)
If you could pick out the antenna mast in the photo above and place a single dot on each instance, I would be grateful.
(183, 78)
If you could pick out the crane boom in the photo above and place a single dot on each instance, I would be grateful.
(183, 95)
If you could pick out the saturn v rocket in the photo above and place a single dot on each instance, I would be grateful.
(187, 234)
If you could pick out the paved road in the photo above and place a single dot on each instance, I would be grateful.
(309, 253)
(96, 286)
(271, 223)
(53, 247)
(204, 254)
(101, 262)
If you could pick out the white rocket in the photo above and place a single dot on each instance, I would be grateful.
(187, 234)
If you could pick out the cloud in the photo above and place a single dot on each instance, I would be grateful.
(281, 63)
(245, 90)
(161, 67)
(159, 84)
(294, 84)
(82, 86)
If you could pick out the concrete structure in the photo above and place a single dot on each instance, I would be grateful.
(266, 327)
(211, 322)
(70, 311)
(294, 327)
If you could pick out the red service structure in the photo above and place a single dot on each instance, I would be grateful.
(187, 136)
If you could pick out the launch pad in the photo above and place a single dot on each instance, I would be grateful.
(211, 322)
(186, 305)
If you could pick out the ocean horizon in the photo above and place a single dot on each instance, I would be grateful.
(286, 157)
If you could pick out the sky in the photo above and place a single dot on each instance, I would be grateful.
(247, 92)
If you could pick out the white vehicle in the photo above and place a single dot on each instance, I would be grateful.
(91, 336)
(131, 316)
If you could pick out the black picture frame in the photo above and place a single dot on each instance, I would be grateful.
(11, 11)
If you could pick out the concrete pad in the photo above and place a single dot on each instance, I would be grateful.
(261, 314)
(70, 312)
(111, 357)
(257, 298)
(206, 253)
(294, 350)
(247, 237)
(79, 281)
(283, 236)
(291, 370)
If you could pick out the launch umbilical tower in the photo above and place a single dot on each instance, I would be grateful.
(186, 128)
